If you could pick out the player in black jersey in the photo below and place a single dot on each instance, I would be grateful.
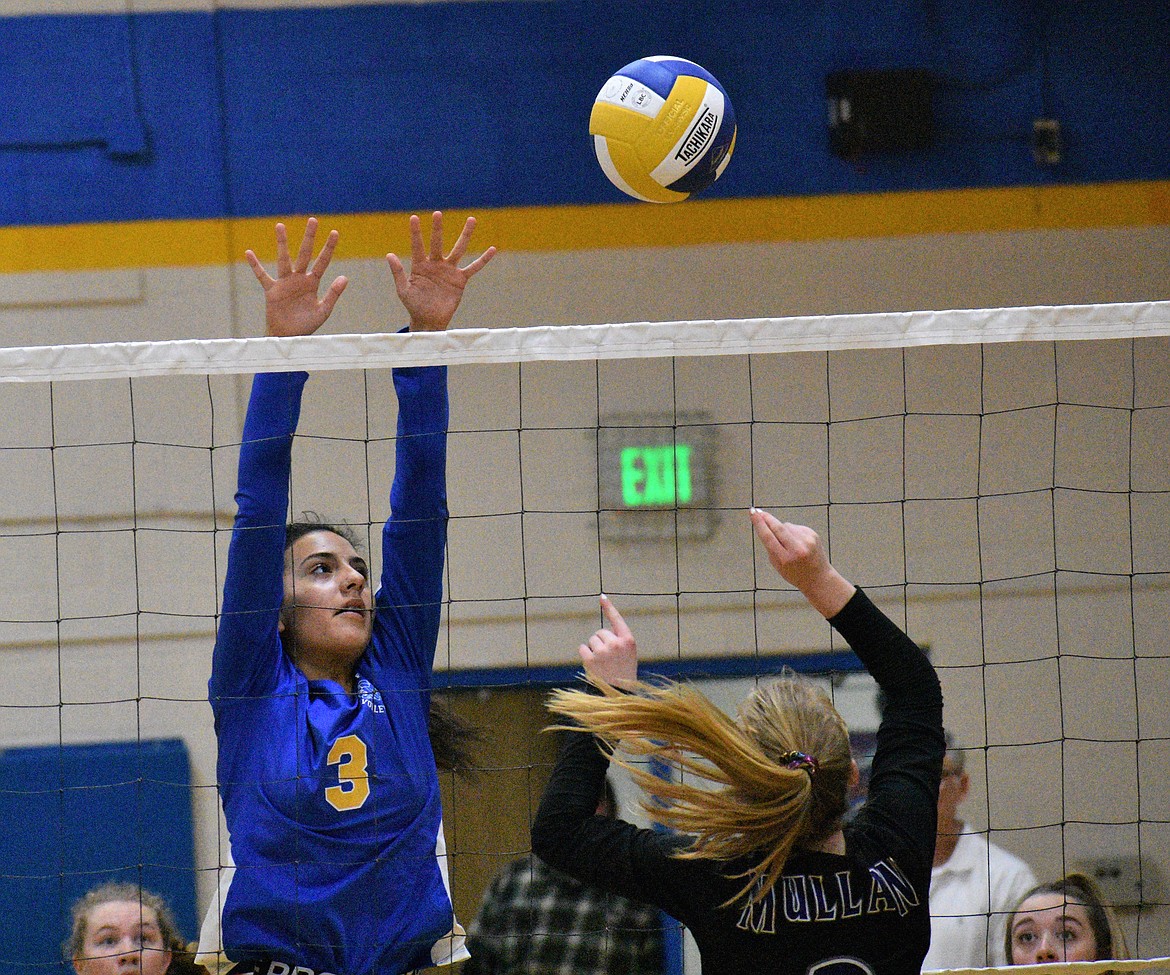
(760, 868)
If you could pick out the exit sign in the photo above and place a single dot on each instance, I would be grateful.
(656, 475)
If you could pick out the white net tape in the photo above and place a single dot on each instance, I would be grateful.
(119, 360)
(1070, 968)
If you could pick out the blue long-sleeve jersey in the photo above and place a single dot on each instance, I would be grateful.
(332, 799)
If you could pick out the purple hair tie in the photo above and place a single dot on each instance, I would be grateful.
(799, 760)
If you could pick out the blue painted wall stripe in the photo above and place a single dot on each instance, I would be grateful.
(390, 108)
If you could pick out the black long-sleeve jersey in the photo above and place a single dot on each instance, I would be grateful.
(862, 912)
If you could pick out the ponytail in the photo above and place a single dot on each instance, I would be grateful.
(780, 773)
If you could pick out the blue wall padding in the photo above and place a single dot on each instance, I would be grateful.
(411, 106)
(79, 815)
(53, 97)
(181, 172)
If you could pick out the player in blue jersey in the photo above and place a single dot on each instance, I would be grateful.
(320, 687)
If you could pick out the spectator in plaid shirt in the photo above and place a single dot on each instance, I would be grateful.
(537, 921)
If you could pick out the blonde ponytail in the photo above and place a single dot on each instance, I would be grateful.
(780, 773)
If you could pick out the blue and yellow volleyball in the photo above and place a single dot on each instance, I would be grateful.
(663, 129)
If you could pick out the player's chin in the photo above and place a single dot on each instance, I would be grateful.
(354, 627)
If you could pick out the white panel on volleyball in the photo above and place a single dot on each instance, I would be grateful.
(628, 93)
(694, 141)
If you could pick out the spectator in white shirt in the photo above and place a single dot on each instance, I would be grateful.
(974, 884)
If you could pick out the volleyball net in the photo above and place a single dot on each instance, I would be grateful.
(997, 479)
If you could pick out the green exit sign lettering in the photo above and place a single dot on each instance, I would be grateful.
(657, 476)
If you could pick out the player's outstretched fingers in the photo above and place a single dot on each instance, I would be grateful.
(398, 271)
(479, 263)
(769, 530)
(416, 243)
(437, 236)
(305, 254)
(322, 263)
(614, 618)
(283, 261)
(329, 299)
(462, 241)
(266, 280)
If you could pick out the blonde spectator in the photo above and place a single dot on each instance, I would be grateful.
(120, 928)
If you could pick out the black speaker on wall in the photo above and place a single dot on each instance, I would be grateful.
(878, 111)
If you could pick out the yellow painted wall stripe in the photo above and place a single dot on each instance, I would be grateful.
(193, 243)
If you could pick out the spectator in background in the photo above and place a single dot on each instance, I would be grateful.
(537, 921)
(120, 928)
(1067, 920)
(973, 884)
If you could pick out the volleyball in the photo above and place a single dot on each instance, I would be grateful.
(663, 129)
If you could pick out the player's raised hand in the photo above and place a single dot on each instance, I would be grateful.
(611, 653)
(798, 554)
(291, 303)
(433, 288)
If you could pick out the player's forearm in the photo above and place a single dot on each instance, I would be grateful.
(901, 669)
(274, 409)
(829, 593)
(420, 466)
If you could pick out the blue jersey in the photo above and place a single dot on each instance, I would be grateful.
(332, 800)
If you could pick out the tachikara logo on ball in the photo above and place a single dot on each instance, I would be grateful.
(663, 129)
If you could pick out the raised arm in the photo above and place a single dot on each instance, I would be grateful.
(246, 641)
(566, 823)
(415, 536)
(568, 834)
(903, 788)
(892, 658)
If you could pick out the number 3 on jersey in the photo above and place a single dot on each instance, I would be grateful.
(353, 783)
